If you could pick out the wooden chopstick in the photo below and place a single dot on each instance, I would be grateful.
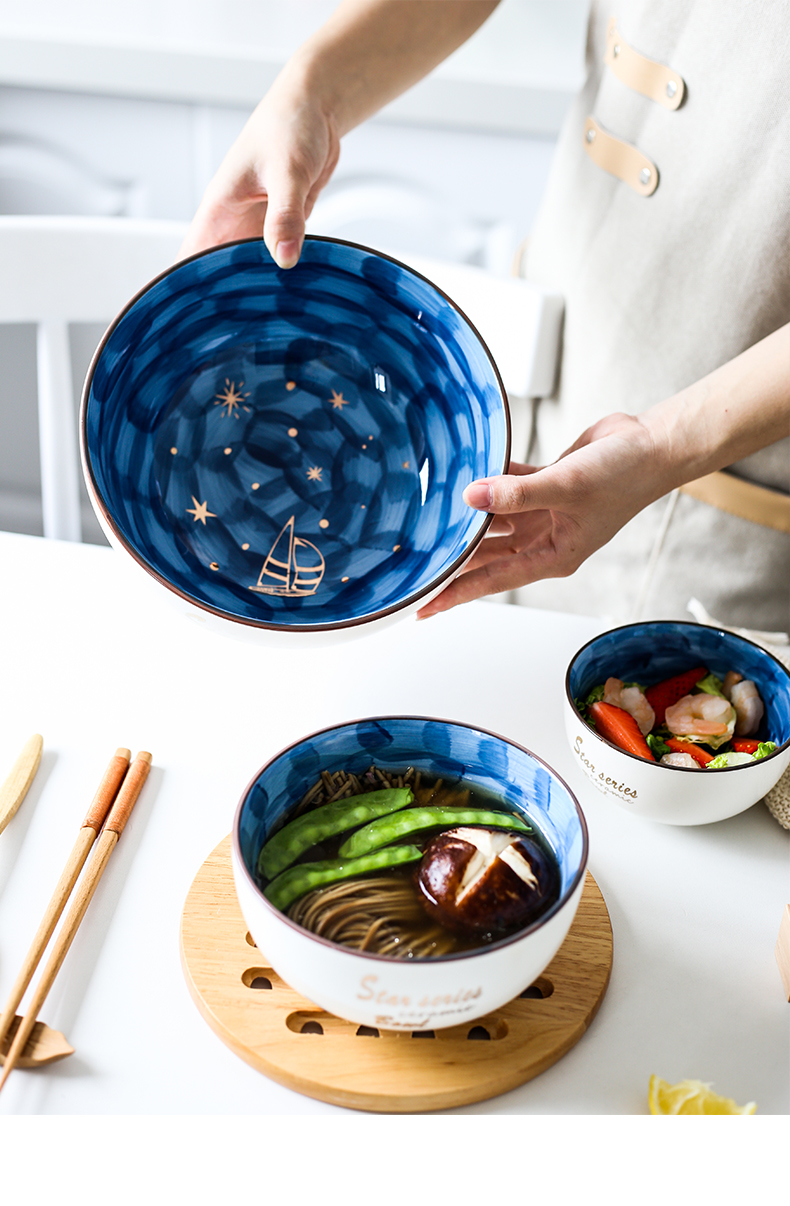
(102, 801)
(22, 774)
(108, 839)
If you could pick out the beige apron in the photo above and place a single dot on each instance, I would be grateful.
(666, 227)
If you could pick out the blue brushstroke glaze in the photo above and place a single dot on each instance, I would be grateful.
(393, 461)
(437, 748)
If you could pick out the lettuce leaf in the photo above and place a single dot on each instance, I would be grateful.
(583, 704)
(764, 749)
(711, 685)
(708, 739)
(729, 758)
(658, 747)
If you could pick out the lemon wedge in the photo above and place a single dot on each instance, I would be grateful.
(691, 1097)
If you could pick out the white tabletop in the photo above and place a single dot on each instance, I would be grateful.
(92, 660)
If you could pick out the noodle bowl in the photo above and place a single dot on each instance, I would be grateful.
(368, 983)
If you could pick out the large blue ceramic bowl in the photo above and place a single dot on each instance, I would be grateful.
(647, 653)
(421, 993)
(287, 450)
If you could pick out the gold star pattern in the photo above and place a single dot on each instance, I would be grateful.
(200, 511)
(338, 401)
(314, 474)
(232, 398)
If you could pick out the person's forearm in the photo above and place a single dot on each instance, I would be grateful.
(548, 521)
(370, 51)
(734, 411)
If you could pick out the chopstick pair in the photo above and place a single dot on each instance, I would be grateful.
(116, 795)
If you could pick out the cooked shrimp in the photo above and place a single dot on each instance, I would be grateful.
(701, 716)
(730, 679)
(676, 759)
(632, 700)
(748, 706)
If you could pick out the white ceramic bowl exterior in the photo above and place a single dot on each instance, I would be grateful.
(647, 653)
(290, 639)
(688, 798)
(393, 994)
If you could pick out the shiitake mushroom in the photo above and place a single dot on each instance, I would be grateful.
(478, 880)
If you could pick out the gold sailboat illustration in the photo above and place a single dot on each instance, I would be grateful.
(285, 574)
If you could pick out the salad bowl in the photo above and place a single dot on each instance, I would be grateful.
(283, 453)
(652, 652)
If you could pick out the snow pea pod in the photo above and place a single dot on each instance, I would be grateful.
(389, 829)
(298, 881)
(307, 830)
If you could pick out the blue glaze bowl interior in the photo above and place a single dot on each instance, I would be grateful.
(289, 448)
(651, 651)
(436, 747)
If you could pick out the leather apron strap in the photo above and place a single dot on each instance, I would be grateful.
(655, 81)
(620, 158)
(644, 75)
(770, 508)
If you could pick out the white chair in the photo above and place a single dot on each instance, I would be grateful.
(56, 271)
(521, 324)
(519, 321)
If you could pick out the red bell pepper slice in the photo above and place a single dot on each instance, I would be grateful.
(703, 757)
(619, 727)
(662, 695)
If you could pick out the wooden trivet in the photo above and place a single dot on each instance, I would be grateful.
(293, 1041)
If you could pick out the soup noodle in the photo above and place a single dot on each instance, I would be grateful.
(385, 913)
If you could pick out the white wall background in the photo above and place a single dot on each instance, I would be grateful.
(128, 110)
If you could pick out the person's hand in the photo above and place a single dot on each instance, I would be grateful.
(269, 180)
(365, 55)
(549, 520)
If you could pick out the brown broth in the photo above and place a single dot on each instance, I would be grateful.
(383, 912)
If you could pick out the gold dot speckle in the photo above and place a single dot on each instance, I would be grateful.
(395, 548)
(405, 464)
(364, 445)
(214, 565)
(363, 506)
(255, 485)
(245, 547)
(344, 579)
(292, 432)
(323, 523)
(227, 452)
(174, 451)
(290, 385)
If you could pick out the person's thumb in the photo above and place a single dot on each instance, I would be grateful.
(507, 494)
(283, 227)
